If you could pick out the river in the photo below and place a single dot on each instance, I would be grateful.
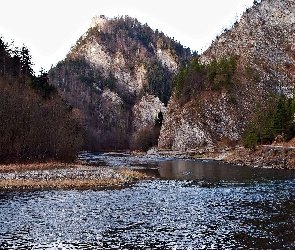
(185, 205)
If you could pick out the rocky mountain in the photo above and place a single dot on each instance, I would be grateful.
(215, 100)
(119, 75)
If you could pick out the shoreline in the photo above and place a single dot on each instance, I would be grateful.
(64, 176)
(265, 156)
(54, 175)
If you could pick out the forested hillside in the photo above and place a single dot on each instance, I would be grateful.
(117, 64)
(36, 124)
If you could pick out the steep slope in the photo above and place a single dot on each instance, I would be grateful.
(117, 63)
(265, 41)
(263, 44)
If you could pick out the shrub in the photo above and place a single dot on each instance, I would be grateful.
(145, 138)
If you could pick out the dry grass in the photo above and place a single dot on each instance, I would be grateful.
(132, 175)
(58, 184)
(18, 167)
(125, 176)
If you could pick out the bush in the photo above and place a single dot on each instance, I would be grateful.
(146, 138)
(250, 139)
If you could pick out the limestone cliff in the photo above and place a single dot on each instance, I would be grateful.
(146, 111)
(263, 43)
(118, 73)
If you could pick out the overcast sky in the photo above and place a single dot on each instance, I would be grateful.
(50, 28)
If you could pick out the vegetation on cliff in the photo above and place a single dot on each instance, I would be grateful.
(272, 118)
(122, 58)
(240, 89)
(277, 118)
(198, 77)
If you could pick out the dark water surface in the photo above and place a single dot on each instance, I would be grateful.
(189, 205)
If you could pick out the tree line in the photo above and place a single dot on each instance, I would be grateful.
(35, 123)
(277, 118)
(197, 77)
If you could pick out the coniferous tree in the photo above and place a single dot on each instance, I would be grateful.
(3, 56)
(26, 61)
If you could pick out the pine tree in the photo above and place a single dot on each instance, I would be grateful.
(26, 61)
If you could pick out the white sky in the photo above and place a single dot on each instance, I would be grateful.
(50, 28)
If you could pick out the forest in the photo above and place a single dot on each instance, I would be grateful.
(36, 123)
(197, 77)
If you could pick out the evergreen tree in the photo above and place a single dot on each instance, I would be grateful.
(42, 86)
(3, 56)
(283, 117)
(26, 61)
(277, 118)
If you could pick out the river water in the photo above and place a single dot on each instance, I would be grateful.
(185, 205)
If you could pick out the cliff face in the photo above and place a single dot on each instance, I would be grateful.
(263, 43)
(119, 74)
(146, 111)
(264, 39)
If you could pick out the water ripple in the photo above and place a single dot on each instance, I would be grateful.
(159, 214)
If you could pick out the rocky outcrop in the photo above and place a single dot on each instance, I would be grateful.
(264, 44)
(167, 60)
(189, 127)
(146, 111)
(181, 130)
(97, 56)
(119, 74)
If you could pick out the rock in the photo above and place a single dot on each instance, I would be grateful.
(278, 139)
(153, 152)
(263, 43)
(146, 111)
(167, 60)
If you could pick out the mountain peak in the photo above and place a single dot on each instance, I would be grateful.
(98, 21)
(114, 66)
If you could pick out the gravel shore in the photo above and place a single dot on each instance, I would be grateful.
(63, 176)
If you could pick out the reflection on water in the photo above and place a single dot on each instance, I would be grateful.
(214, 171)
(176, 212)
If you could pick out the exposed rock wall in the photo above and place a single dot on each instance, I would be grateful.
(146, 111)
(182, 129)
(264, 39)
(264, 43)
(95, 54)
(191, 126)
(167, 60)
(118, 74)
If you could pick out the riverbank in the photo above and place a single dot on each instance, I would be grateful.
(85, 175)
(55, 175)
(265, 156)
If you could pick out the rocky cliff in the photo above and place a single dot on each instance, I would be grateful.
(119, 74)
(263, 43)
